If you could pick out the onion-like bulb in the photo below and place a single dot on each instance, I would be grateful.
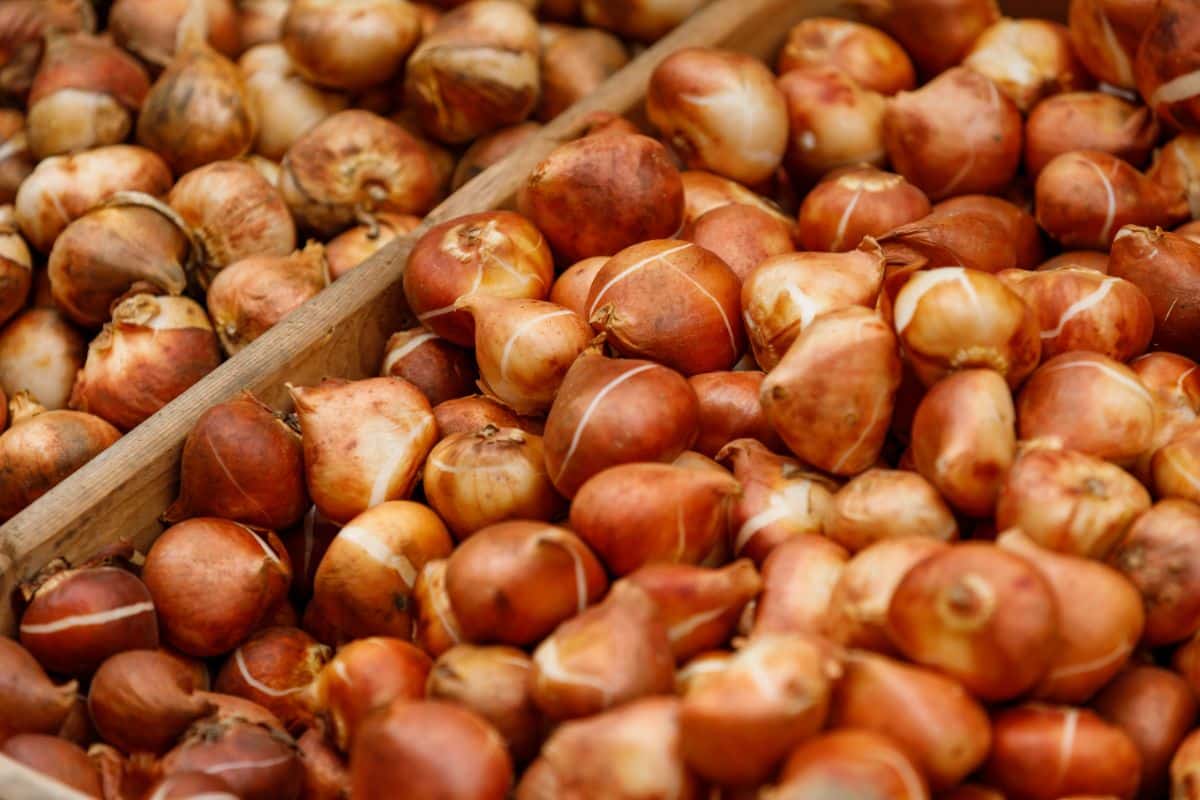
(16, 162)
(487, 476)
(42, 448)
(16, 273)
(285, 105)
(353, 164)
(232, 213)
(199, 110)
(524, 348)
(131, 242)
(23, 28)
(354, 246)
(350, 44)
(644, 20)
(260, 21)
(85, 95)
(153, 350)
(247, 298)
(150, 28)
(40, 352)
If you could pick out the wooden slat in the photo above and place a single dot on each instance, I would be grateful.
(341, 333)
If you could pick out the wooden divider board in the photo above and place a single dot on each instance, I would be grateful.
(340, 333)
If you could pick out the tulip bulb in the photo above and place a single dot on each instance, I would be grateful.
(573, 65)
(85, 94)
(24, 25)
(441, 370)
(1027, 59)
(868, 55)
(1088, 121)
(854, 203)
(741, 235)
(937, 34)
(644, 20)
(364, 442)
(834, 122)
(16, 160)
(524, 348)
(354, 246)
(267, 761)
(881, 504)
(150, 29)
(1106, 34)
(1166, 267)
(40, 353)
(274, 668)
(65, 763)
(16, 273)
(32, 702)
(436, 629)
(490, 149)
(250, 296)
(154, 349)
(350, 45)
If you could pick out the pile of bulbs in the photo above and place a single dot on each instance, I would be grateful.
(912, 512)
(183, 180)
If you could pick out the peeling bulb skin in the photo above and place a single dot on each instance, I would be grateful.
(1106, 34)
(1166, 267)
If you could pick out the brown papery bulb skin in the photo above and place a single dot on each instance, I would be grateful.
(844, 359)
(681, 514)
(441, 370)
(352, 45)
(1081, 309)
(1100, 620)
(364, 442)
(573, 65)
(855, 202)
(1165, 67)
(476, 71)
(938, 725)
(469, 414)
(493, 682)
(975, 232)
(490, 149)
(362, 676)
(25, 25)
(260, 21)
(352, 247)
(436, 629)
(963, 439)
(700, 605)
(738, 721)
(233, 213)
(1069, 502)
(868, 55)
(326, 771)
(1077, 259)
(784, 294)
(32, 703)
(198, 111)
(643, 20)
(84, 95)
(1088, 121)
(354, 162)
(850, 762)
(779, 499)
(1157, 709)
(937, 34)
(799, 577)
(366, 577)
(524, 348)
(611, 653)
(1088, 756)
(154, 349)
(475, 479)
(213, 581)
(1174, 383)
(951, 319)
(616, 411)
(1166, 267)
(252, 295)
(1173, 466)
(242, 461)
(41, 449)
(704, 191)
(434, 748)
(720, 111)
(274, 668)
(16, 273)
(882, 504)
(1106, 34)
(741, 235)
(144, 700)
(833, 122)
(958, 134)
(56, 758)
(572, 286)
(1161, 557)
(16, 161)
(1014, 222)
(730, 409)
(1028, 59)
(642, 737)
(1174, 169)
(1185, 765)
(63, 188)
(149, 28)
(76, 618)
(672, 302)
(498, 253)
(126, 245)
(1084, 198)
(979, 614)
(257, 762)
(597, 195)
(514, 582)
(1092, 403)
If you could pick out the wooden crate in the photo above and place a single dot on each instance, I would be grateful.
(340, 333)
